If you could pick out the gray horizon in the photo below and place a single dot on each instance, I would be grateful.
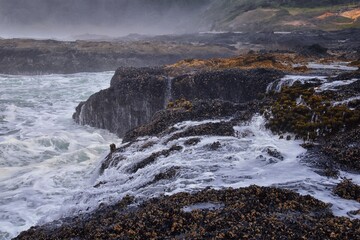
(66, 19)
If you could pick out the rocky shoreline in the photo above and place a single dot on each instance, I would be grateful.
(245, 213)
(29, 56)
(149, 106)
(34, 57)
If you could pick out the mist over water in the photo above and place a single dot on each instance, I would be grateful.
(66, 19)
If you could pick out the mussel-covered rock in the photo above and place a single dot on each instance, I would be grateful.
(348, 190)
(246, 213)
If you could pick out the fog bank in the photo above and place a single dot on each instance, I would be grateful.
(63, 19)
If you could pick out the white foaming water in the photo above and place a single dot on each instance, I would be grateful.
(289, 80)
(44, 156)
(346, 101)
(333, 85)
(343, 66)
(50, 166)
(238, 162)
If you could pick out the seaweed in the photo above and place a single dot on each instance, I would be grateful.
(300, 110)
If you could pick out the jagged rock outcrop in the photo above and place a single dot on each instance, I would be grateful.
(136, 94)
(201, 110)
(133, 97)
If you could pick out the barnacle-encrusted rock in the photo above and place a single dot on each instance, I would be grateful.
(347, 189)
(344, 148)
(246, 213)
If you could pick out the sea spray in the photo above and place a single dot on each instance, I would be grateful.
(51, 167)
(237, 161)
(44, 156)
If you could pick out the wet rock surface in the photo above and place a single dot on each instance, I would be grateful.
(246, 213)
(127, 103)
(143, 163)
(135, 95)
(344, 148)
(347, 189)
(201, 110)
(216, 129)
(233, 85)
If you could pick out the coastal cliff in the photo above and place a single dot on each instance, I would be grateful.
(197, 144)
(224, 124)
(135, 95)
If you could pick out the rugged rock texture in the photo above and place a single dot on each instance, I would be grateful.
(344, 148)
(133, 97)
(201, 110)
(136, 94)
(348, 190)
(230, 84)
(245, 213)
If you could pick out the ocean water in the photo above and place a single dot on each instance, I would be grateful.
(44, 156)
(49, 166)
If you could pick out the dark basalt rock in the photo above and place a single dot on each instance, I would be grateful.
(274, 153)
(135, 95)
(168, 174)
(233, 85)
(192, 141)
(28, 56)
(348, 190)
(246, 213)
(217, 129)
(314, 50)
(214, 146)
(344, 148)
(201, 110)
(347, 75)
(129, 102)
(152, 158)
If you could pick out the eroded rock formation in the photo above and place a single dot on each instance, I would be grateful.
(135, 95)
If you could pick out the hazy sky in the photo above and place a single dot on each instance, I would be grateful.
(65, 18)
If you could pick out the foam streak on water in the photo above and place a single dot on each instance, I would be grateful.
(238, 162)
(44, 156)
(289, 80)
(49, 166)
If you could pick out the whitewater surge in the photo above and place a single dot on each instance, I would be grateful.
(236, 162)
(50, 167)
(44, 156)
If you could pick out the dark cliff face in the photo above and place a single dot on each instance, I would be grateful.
(130, 101)
(232, 85)
(136, 94)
